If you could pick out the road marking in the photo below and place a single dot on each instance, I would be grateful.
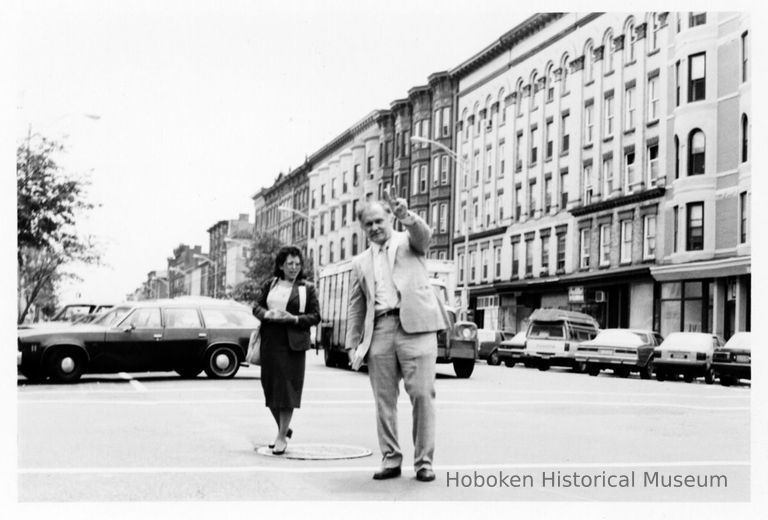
(360, 469)
(135, 384)
(370, 402)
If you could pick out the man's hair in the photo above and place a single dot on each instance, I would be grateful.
(368, 204)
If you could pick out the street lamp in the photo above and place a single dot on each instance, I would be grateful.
(304, 216)
(462, 164)
(215, 271)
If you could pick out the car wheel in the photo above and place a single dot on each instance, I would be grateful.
(579, 367)
(509, 363)
(647, 371)
(593, 370)
(221, 362)
(727, 380)
(66, 365)
(709, 376)
(621, 372)
(464, 367)
(493, 359)
(330, 362)
(688, 378)
(188, 372)
(660, 376)
(543, 366)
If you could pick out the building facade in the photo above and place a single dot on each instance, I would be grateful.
(180, 265)
(595, 149)
(219, 284)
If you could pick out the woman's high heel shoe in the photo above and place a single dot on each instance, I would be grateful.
(280, 452)
(289, 434)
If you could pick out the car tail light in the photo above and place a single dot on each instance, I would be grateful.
(567, 346)
(657, 353)
(701, 356)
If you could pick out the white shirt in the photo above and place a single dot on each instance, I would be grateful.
(278, 297)
(386, 296)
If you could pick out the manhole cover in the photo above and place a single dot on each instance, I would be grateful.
(318, 452)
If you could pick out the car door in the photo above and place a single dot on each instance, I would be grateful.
(184, 338)
(131, 345)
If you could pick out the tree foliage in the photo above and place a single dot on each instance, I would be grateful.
(48, 204)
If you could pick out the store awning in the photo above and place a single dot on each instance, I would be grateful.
(734, 266)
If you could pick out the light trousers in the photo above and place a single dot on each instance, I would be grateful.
(394, 354)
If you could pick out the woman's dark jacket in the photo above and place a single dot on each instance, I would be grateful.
(298, 333)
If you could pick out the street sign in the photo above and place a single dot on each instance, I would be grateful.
(576, 294)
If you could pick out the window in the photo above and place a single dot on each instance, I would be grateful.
(653, 98)
(531, 199)
(743, 215)
(500, 205)
(354, 210)
(370, 167)
(695, 19)
(434, 221)
(515, 259)
(629, 170)
(605, 244)
(608, 116)
(181, 319)
(333, 189)
(477, 167)
(518, 148)
(489, 164)
(436, 124)
(744, 137)
(677, 157)
(563, 192)
(549, 84)
(444, 169)
(629, 45)
(330, 252)
(549, 139)
(744, 57)
(649, 237)
(472, 265)
(529, 257)
(497, 262)
(461, 267)
(443, 217)
(501, 158)
(322, 224)
(322, 194)
(694, 231)
(589, 114)
(342, 249)
(675, 228)
(534, 143)
(587, 185)
(629, 108)
(488, 210)
(607, 187)
(465, 161)
(423, 178)
(464, 215)
(484, 257)
(655, 26)
(344, 186)
(584, 249)
(545, 254)
(343, 215)
(312, 201)
(561, 252)
(149, 318)
(354, 244)
(356, 175)
(626, 242)
(696, 77)
(332, 214)
(696, 151)
(589, 64)
(547, 195)
(320, 255)
(518, 203)
(564, 137)
(436, 170)
(534, 80)
(653, 164)
(608, 53)
(564, 75)
(677, 83)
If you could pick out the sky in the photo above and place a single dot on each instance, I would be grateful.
(202, 103)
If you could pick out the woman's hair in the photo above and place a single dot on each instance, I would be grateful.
(282, 256)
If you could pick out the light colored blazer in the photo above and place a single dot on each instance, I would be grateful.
(420, 309)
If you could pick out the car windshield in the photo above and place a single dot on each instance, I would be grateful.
(233, 318)
(110, 319)
(622, 337)
(546, 330)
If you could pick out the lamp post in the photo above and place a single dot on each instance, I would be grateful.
(304, 216)
(467, 225)
(215, 271)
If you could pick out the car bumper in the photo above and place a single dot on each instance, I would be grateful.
(681, 367)
(610, 361)
(739, 370)
(515, 355)
(457, 350)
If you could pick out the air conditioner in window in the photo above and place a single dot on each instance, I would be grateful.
(599, 296)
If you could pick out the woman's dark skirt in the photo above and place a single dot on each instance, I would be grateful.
(282, 369)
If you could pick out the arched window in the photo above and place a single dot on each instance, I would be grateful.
(476, 113)
(519, 105)
(549, 84)
(608, 52)
(630, 38)
(564, 64)
(465, 119)
(320, 255)
(534, 78)
(744, 138)
(677, 157)
(330, 252)
(354, 244)
(589, 63)
(696, 152)
(342, 249)
(488, 115)
(502, 107)
(653, 26)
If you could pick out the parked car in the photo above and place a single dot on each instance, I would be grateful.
(186, 335)
(512, 350)
(553, 335)
(621, 350)
(733, 361)
(489, 341)
(70, 313)
(686, 353)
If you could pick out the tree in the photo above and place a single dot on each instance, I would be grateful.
(48, 203)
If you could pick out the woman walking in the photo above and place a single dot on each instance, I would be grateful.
(287, 308)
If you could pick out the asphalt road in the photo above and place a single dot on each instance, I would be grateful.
(505, 434)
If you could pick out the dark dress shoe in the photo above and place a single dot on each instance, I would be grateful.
(425, 475)
(387, 473)
(289, 434)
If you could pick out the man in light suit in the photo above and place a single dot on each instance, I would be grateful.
(392, 320)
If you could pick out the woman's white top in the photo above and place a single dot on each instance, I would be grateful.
(277, 299)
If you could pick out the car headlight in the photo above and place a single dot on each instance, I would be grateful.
(466, 332)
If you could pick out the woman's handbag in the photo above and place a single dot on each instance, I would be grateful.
(253, 356)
